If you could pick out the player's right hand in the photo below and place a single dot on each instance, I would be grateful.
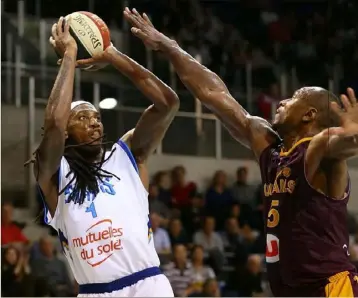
(61, 38)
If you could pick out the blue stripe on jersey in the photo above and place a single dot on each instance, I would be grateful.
(129, 154)
(44, 203)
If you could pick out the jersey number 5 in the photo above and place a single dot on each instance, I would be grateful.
(272, 242)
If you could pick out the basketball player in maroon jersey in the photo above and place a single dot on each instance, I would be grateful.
(302, 157)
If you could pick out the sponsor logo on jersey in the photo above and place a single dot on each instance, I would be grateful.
(272, 249)
(99, 243)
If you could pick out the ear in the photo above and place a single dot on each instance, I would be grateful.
(310, 115)
(66, 135)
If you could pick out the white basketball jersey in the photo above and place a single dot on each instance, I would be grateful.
(108, 236)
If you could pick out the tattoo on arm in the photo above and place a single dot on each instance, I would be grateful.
(57, 113)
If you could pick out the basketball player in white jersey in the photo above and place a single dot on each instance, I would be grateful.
(98, 201)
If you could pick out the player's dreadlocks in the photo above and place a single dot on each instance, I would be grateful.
(85, 174)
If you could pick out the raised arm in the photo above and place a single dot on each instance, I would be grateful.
(50, 151)
(155, 120)
(332, 147)
(253, 132)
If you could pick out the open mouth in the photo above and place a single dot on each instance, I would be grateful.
(96, 134)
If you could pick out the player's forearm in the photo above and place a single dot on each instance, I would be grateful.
(342, 146)
(59, 104)
(208, 88)
(162, 96)
(196, 77)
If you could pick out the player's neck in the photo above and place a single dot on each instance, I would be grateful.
(290, 140)
(91, 154)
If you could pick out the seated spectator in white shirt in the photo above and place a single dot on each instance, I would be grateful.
(207, 237)
(161, 238)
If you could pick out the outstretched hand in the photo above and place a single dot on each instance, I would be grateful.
(348, 115)
(144, 29)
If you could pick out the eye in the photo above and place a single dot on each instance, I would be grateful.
(82, 118)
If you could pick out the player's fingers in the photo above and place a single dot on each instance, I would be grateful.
(84, 62)
(67, 25)
(138, 17)
(351, 96)
(136, 12)
(139, 33)
(60, 26)
(145, 17)
(54, 30)
(131, 18)
(52, 41)
(346, 103)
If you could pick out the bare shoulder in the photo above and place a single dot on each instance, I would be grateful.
(127, 137)
(261, 135)
(142, 167)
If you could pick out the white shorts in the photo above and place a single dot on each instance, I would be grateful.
(154, 286)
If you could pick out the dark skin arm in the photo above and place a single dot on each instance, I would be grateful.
(57, 113)
(155, 120)
(328, 151)
(253, 132)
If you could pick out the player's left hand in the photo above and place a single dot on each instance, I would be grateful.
(348, 115)
(144, 29)
(102, 58)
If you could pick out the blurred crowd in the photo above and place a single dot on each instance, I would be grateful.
(211, 244)
(316, 39)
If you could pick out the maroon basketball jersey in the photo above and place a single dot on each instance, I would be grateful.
(307, 236)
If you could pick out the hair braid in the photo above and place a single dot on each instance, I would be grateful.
(85, 174)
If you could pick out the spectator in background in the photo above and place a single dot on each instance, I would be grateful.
(235, 251)
(176, 233)
(235, 212)
(193, 214)
(207, 237)
(48, 266)
(16, 277)
(182, 190)
(218, 198)
(156, 205)
(268, 100)
(179, 270)
(200, 272)
(252, 240)
(249, 280)
(10, 231)
(244, 194)
(231, 236)
(160, 236)
(210, 289)
(163, 181)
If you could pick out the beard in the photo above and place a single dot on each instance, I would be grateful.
(91, 151)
